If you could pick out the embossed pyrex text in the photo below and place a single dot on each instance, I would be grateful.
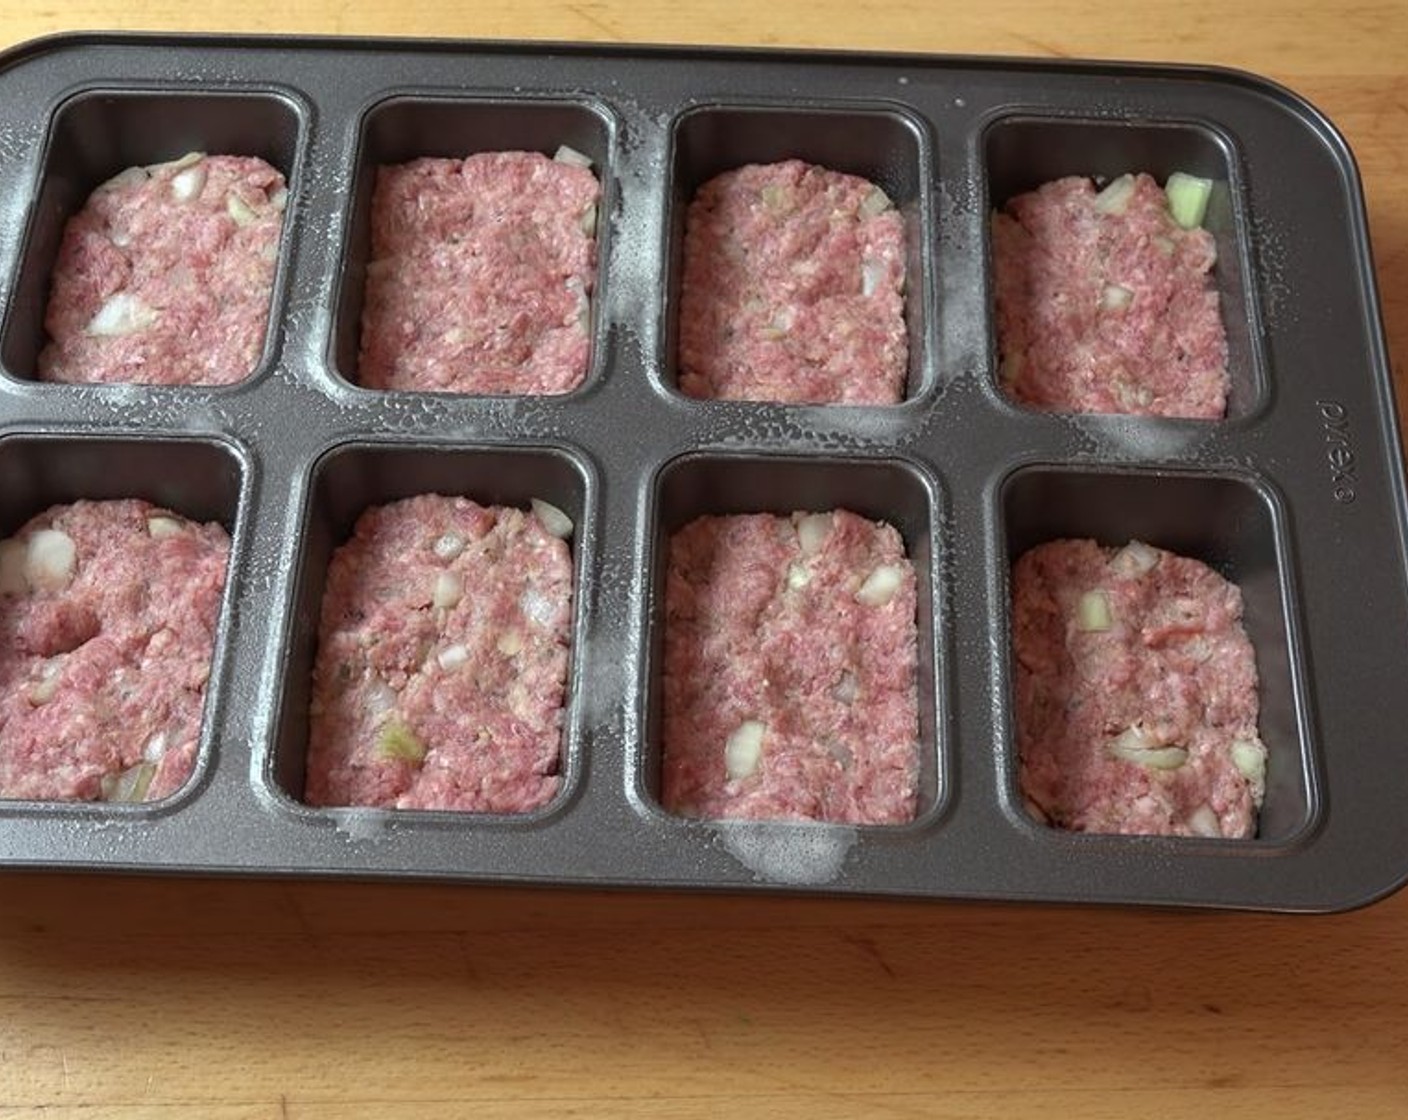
(1339, 450)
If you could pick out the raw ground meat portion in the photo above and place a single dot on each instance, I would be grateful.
(442, 661)
(792, 289)
(790, 670)
(1107, 312)
(108, 613)
(481, 275)
(1136, 692)
(166, 274)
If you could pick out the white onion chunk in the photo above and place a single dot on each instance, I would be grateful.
(552, 519)
(1114, 199)
(121, 313)
(50, 560)
(812, 531)
(744, 750)
(880, 586)
(571, 156)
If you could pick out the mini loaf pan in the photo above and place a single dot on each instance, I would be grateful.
(1297, 495)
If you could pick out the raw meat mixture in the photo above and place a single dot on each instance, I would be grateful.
(793, 289)
(790, 661)
(166, 274)
(442, 661)
(1136, 692)
(1107, 312)
(480, 276)
(108, 612)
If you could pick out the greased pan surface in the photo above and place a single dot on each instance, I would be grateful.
(1297, 495)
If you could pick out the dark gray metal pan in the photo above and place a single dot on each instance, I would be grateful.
(1297, 495)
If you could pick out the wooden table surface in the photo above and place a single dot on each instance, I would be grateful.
(243, 1000)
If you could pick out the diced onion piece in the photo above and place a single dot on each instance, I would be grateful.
(190, 159)
(156, 746)
(1115, 297)
(1164, 245)
(1188, 198)
(876, 202)
(162, 527)
(50, 559)
(1204, 822)
(1130, 396)
(798, 577)
(239, 210)
(132, 176)
(1137, 737)
(380, 697)
(47, 686)
(1157, 758)
(396, 741)
(278, 201)
(579, 291)
(448, 545)
(41, 692)
(812, 531)
(1138, 745)
(871, 273)
(1198, 649)
(187, 184)
(131, 785)
(509, 643)
(847, 688)
(571, 157)
(448, 590)
(1135, 559)
(582, 313)
(121, 313)
(12, 564)
(775, 197)
(452, 657)
(880, 586)
(1114, 199)
(1249, 757)
(537, 607)
(1093, 612)
(780, 324)
(587, 221)
(744, 749)
(551, 518)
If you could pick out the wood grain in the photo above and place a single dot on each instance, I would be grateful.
(315, 999)
(246, 1000)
